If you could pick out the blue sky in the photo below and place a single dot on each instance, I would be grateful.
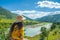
(18, 4)
(25, 5)
(31, 6)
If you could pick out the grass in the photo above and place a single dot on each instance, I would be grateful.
(5, 24)
(34, 38)
(54, 35)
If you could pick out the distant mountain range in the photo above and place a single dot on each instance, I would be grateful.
(52, 17)
(49, 18)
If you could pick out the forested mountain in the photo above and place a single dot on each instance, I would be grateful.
(49, 18)
(6, 14)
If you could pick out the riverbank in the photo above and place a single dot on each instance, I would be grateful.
(37, 37)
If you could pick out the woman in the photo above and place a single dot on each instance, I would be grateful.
(17, 29)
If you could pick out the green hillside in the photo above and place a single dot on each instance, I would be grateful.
(49, 18)
(5, 14)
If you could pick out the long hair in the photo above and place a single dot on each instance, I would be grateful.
(19, 26)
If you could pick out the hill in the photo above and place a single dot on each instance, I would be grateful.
(5, 14)
(49, 18)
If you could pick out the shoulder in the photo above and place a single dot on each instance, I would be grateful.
(14, 23)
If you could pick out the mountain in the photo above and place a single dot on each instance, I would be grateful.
(5, 14)
(49, 18)
(27, 18)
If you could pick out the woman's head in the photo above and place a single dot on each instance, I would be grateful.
(19, 21)
(19, 17)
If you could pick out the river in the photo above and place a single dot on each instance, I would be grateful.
(32, 31)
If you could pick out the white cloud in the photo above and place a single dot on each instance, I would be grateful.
(35, 14)
(49, 4)
(25, 11)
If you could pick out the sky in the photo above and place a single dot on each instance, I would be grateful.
(32, 8)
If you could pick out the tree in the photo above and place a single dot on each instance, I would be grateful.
(44, 33)
(53, 26)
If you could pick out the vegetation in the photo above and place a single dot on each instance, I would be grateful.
(5, 25)
(5, 14)
(52, 34)
(49, 18)
(34, 38)
(7, 18)
(44, 33)
(48, 34)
